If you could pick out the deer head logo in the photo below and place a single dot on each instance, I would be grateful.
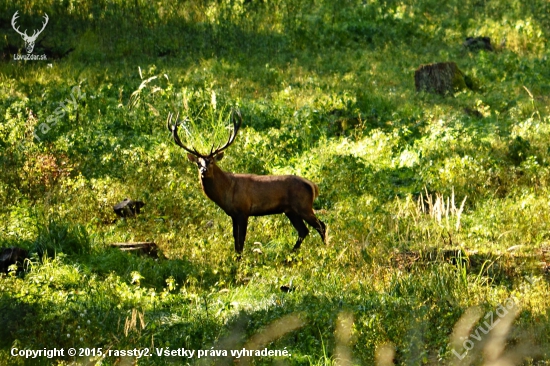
(29, 40)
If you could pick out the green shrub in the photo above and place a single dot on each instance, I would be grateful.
(55, 237)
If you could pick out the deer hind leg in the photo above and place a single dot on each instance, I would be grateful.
(240, 223)
(298, 223)
(317, 224)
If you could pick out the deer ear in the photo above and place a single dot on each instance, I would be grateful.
(219, 156)
(192, 158)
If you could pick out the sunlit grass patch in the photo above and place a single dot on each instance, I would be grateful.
(434, 205)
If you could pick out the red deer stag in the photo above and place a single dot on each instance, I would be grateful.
(245, 195)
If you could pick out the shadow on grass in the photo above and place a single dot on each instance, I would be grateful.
(416, 312)
(495, 269)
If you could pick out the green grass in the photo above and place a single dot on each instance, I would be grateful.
(326, 91)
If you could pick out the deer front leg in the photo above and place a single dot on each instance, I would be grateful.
(240, 223)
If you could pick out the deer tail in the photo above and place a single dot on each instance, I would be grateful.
(315, 190)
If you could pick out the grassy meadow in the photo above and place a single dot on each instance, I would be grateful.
(437, 207)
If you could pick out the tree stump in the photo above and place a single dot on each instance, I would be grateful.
(440, 78)
(128, 208)
(478, 43)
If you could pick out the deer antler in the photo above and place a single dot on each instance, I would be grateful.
(173, 128)
(35, 35)
(13, 19)
(236, 126)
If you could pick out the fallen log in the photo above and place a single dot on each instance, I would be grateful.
(143, 247)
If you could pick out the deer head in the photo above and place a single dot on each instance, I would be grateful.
(205, 162)
(29, 40)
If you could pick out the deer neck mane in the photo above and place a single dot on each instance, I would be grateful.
(215, 187)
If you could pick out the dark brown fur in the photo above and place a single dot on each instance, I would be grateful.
(245, 195)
